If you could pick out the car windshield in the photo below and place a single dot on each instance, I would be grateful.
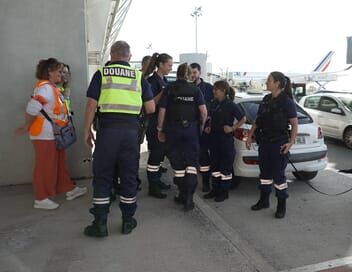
(347, 101)
(251, 108)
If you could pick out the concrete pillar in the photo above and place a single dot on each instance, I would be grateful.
(29, 31)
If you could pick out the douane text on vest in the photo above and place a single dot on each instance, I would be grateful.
(118, 71)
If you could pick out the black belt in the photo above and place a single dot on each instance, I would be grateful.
(119, 125)
(186, 123)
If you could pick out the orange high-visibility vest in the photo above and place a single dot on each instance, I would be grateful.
(59, 115)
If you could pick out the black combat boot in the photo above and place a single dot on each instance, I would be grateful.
(206, 184)
(180, 198)
(190, 185)
(235, 182)
(221, 196)
(155, 191)
(97, 229)
(164, 186)
(214, 190)
(188, 203)
(263, 202)
(162, 169)
(281, 208)
(128, 224)
(211, 194)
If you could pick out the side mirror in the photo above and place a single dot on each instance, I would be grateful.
(337, 111)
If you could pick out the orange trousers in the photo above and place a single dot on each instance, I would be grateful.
(50, 174)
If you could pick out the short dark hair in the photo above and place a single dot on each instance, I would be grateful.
(46, 65)
(195, 65)
(120, 48)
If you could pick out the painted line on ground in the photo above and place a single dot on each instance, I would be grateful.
(323, 266)
(249, 253)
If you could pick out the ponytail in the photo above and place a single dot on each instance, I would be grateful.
(155, 61)
(230, 93)
(288, 87)
(226, 88)
(152, 64)
(285, 82)
(184, 71)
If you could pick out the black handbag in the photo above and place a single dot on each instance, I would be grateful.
(64, 136)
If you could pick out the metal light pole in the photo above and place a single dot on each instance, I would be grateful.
(196, 13)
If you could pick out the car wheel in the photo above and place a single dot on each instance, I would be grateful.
(302, 175)
(347, 138)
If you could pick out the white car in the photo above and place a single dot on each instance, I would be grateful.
(333, 112)
(308, 154)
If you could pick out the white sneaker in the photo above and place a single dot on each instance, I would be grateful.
(45, 204)
(76, 192)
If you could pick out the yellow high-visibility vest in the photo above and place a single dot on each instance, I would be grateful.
(121, 89)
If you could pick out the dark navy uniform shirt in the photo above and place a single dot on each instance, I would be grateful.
(224, 113)
(286, 103)
(94, 90)
(207, 91)
(157, 83)
(166, 99)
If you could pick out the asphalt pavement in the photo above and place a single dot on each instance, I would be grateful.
(314, 236)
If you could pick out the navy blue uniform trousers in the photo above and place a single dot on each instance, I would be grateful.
(272, 166)
(183, 154)
(204, 155)
(222, 155)
(157, 152)
(115, 146)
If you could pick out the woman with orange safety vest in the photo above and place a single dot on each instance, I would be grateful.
(50, 174)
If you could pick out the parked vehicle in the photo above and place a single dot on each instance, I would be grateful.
(333, 112)
(308, 153)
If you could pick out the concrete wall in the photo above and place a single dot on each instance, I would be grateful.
(29, 31)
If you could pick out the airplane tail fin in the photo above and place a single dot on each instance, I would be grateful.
(324, 63)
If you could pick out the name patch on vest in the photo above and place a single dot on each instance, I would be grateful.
(119, 71)
(185, 98)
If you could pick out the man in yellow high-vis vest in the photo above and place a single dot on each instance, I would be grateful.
(118, 92)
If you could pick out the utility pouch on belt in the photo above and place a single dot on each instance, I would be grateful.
(185, 123)
(64, 135)
(142, 129)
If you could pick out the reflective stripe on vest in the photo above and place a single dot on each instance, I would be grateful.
(129, 87)
(59, 114)
(121, 89)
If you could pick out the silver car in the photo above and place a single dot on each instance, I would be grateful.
(333, 112)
